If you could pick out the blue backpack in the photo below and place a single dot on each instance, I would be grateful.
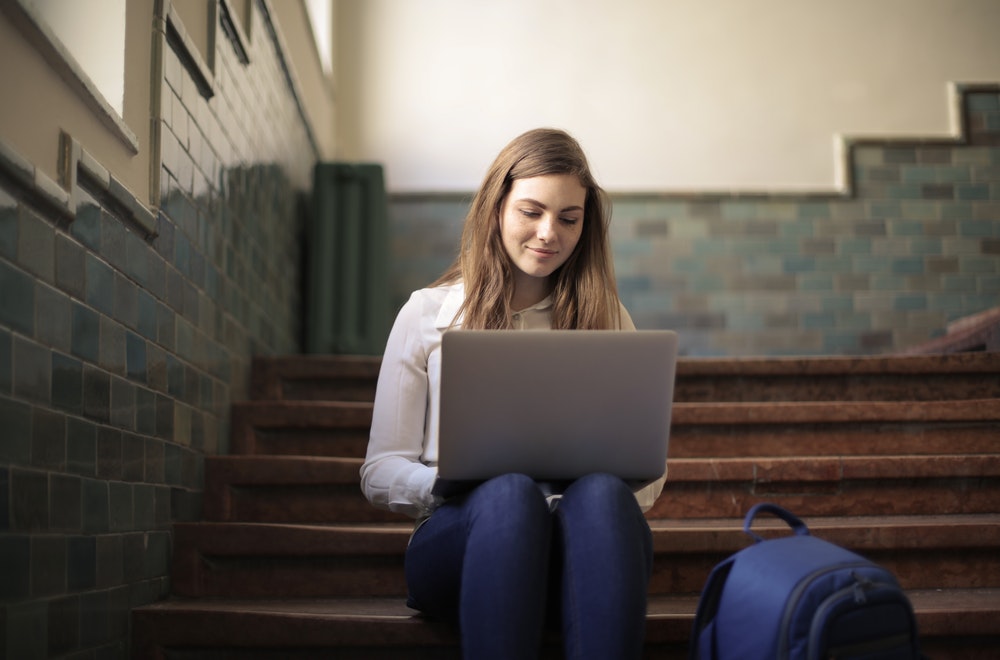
(801, 597)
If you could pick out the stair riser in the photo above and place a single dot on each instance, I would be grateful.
(835, 498)
(335, 442)
(691, 441)
(926, 387)
(673, 573)
(297, 504)
(938, 377)
(344, 503)
(770, 440)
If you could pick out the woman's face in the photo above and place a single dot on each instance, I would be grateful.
(541, 222)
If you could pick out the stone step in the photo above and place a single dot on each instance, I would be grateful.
(954, 624)
(835, 428)
(293, 489)
(870, 378)
(300, 428)
(308, 489)
(253, 560)
(314, 377)
(327, 428)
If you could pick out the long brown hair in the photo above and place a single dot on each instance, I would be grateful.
(585, 295)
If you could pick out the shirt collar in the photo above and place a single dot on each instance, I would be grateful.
(455, 296)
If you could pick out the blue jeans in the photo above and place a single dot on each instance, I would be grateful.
(491, 560)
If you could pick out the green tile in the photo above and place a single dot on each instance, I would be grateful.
(67, 383)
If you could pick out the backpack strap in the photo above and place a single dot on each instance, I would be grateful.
(703, 644)
(793, 521)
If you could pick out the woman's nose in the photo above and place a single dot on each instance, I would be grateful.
(546, 228)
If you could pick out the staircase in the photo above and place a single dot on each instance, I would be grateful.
(897, 458)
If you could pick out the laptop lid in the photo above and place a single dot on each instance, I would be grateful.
(555, 404)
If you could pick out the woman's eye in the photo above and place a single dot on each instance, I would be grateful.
(528, 213)
(569, 221)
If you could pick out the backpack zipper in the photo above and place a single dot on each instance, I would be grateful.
(796, 595)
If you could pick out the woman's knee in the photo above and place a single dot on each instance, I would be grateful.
(600, 489)
(511, 499)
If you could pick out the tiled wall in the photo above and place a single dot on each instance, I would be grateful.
(120, 353)
(914, 245)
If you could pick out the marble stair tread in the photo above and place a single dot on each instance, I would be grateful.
(387, 622)
(326, 490)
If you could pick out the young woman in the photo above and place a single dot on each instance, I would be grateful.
(534, 255)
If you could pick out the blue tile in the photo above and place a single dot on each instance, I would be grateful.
(799, 264)
(29, 492)
(100, 285)
(15, 567)
(87, 226)
(96, 509)
(67, 383)
(4, 506)
(81, 563)
(15, 420)
(8, 226)
(86, 338)
(64, 502)
(909, 302)
(147, 316)
(135, 357)
(17, 291)
(70, 270)
(32, 370)
(6, 362)
(81, 446)
(96, 394)
(973, 191)
(907, 265)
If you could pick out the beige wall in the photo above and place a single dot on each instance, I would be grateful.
(44, 97)
(41, 99)
(664, 94)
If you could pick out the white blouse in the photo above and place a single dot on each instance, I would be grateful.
(400, 467)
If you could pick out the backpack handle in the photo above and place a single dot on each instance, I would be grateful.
(793, 521)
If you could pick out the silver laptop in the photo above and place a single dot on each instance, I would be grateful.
(554, 405)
